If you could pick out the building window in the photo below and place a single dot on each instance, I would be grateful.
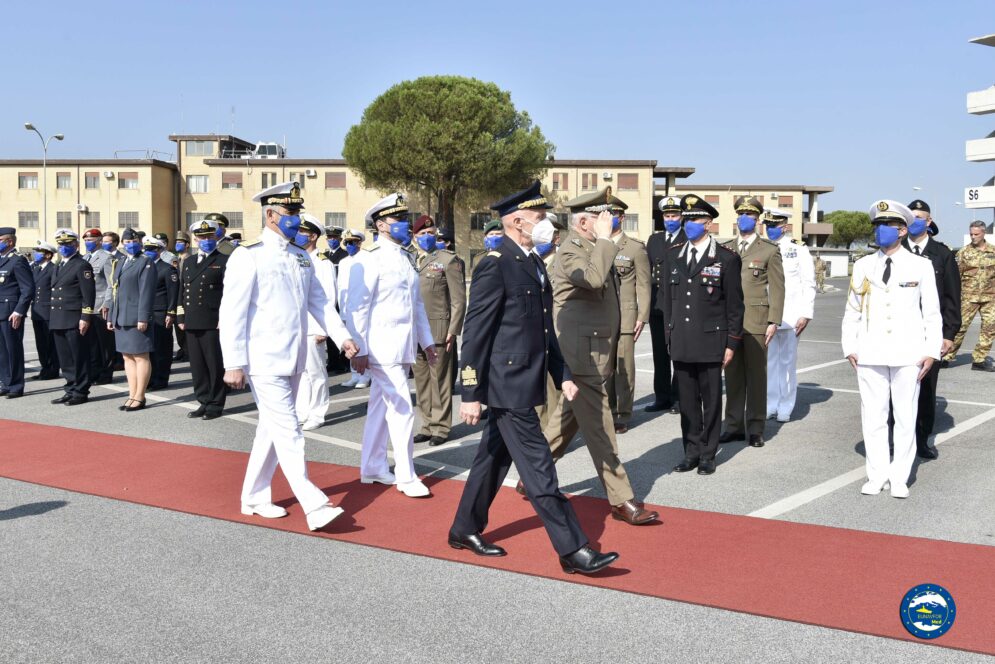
(298, 178)
(335, 219)
(194, 217)
(712, 200)
(63, 181)
(785, 201)
(628, 181)
(561, 181)
(231, 180)
(479, 219)
(92, 180)
(630, 224)
(27, 180)
(589, 181)
(127, 180)
(269, 180)
(127, 220)
(200, 148)
(63, 219)
(27, 220)
(234, 219)
(334, 180)
(197, 184)
(92, 219)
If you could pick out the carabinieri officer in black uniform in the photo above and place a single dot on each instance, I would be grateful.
(659, 243)
(702, 303)
(508, 346)
(73, 295)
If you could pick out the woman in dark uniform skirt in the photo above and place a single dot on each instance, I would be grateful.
(133, 283)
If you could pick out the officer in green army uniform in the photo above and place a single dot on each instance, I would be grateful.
(977, 291)
(763, 295)
(632, 264)
(443, 291)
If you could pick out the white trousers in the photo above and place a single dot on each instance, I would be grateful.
(389, 415)
(312, 397)
(877, 385)
(278, 440)
(782, 373)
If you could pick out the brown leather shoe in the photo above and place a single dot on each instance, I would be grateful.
(621, 427)
(633, 514)
(520, 488)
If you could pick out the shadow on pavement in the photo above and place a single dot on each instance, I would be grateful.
(31, 509)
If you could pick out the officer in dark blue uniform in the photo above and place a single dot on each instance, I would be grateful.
(508, 347)
(73, 295)
(702, 302)
(657, 246)
(167, 291)
(43, 271)
(16, 290)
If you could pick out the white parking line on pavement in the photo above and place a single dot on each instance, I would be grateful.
(939, 398)
(795, 501)
(819, 341)
(822, 366)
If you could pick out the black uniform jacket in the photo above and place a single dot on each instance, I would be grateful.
(657, 248)
(16, 285)
(73, 293)
(703, 305)
(947, 283)
(167, 290)
(41, 305)
(508, 339)
(201, 286)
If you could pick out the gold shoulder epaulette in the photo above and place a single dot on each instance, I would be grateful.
(496, 254)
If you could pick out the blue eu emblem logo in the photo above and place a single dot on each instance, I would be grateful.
(928, 611)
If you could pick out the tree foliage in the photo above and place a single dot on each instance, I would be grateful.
(849, 226)
(459, 139)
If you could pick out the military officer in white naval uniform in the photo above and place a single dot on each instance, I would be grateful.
(387, 319)
(270, 288)
(892, 334)
(312, 396)
(799, 305)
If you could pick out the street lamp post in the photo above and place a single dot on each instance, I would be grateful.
(44, 175)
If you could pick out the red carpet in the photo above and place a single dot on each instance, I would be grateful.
(844, 579)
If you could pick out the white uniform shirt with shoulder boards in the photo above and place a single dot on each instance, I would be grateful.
(799, 281)
(342, 282)
(894, 324)
(386, 316)
(270, 288)
(324, 272)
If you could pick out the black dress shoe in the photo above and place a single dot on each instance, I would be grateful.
(729, 436)
(422, 438)
(686, 465)
(155, 387)
(4, 392)
(135, 405)
(658, 407)
(211, 416)
(756, 440)
(586, 561)
(77, 400)
(927, 453)
(64, 398)
(945, 364)
(706, 467)
(675, 410)
(435, 441)
(475, 543)
(197, 412)
(15, 395)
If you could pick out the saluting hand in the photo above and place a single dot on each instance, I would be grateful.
(569, 389)
(603, 226)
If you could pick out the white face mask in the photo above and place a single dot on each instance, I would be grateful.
(543, 231)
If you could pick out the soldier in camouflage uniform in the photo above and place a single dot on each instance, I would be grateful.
(820, 274)
(977, 283)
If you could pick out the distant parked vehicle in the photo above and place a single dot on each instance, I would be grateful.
(267, 151)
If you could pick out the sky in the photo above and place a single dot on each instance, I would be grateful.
(867, 97)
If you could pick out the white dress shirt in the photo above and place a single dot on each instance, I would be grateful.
(324, 272)
(799, 281)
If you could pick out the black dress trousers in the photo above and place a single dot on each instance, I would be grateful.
(74, 358)
(700, 385)
(207, 368)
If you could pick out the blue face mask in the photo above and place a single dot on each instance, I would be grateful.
(439, 244)
(301, 239)
(38, 256)
(774, 233)
(208, 245)
(91, 245)
(107, 246)
(492, 242)
(694, 230)
(401, 231)
(886, 236)
(3, 247)
(544, 249)
(334, 244)
(352, 249)
(235, 243)
(152, 254)
(616, 224)
(66, 250)
(917, 227)
(220, 232)
(180, 247)
(289, 225)
(746, 223)
(672, 225)
(426, 242)
(133, 248)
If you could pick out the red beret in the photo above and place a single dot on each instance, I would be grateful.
(92, 232)
(422, 223)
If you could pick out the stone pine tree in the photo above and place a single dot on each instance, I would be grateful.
(849, 226)
(456, 139)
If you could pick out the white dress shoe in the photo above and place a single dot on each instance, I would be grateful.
(414, 489)
(323, 516)
(784, 420)
(899, 491)
(311, 425)
(265, 510)
(771, 416)
(872, 488)
(362, 385)
(386, 478)
(351, 382)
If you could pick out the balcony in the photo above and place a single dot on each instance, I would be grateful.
(981, 149)
(981, 102)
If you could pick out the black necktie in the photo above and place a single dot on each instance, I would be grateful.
(670, 238)
(537, 262)
(917, 251)
(694, 258)
(887, 271)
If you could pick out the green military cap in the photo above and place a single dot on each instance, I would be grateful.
(599, 201)
(221, 219)
(493, 225)
(183, 236)
(748, 205)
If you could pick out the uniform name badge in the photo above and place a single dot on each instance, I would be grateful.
(791, 253)
(712, 270)
(302, 260)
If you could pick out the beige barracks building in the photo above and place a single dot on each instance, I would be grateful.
(219, 173)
